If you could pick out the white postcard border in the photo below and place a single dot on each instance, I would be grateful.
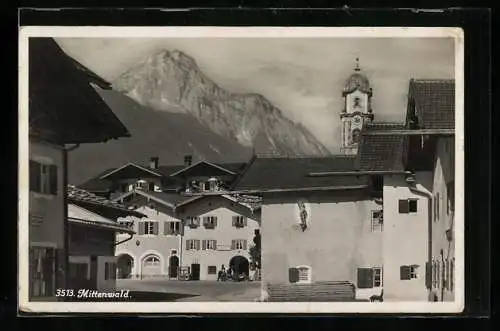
(237, 32)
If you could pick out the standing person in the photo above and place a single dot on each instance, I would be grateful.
(229, 272)
(223, 273)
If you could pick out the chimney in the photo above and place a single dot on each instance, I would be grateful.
(188, 160)
(154, 162)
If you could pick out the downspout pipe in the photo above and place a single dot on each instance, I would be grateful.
(410, 180)
(65, 151)
(124, 240)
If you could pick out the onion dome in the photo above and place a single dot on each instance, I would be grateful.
(357, 81)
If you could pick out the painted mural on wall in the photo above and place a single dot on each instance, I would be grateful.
(304, 214)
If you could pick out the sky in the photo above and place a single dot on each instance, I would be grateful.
(303, 77)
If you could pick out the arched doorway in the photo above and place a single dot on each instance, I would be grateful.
(124, 265)
(173, 266)
(151, 266)
(239, 264)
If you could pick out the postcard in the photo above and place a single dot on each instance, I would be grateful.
(241, 170)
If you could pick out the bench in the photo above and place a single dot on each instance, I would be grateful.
(332, 291)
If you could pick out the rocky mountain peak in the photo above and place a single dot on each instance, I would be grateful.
(170, 80)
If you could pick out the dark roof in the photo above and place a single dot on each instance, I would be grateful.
(434, 102)
(293, 173)
(381, 152)
(203, 168)
(84, 198)
(98, 185)
(104, 185)
(63, 105)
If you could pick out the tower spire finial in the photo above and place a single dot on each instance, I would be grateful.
(357, 65)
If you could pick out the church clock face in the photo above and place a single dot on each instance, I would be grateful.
(357, 120)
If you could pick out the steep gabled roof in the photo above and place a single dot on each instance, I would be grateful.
(97, 204)
(433, 101)
(82, 216)
(64, 108)
(201, 166)
(130, 170)
(293, 173)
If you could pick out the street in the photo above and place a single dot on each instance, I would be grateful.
(195, 290)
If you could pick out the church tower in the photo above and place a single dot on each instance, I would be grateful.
(357, 110)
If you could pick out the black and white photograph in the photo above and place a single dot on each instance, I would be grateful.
(249, 169)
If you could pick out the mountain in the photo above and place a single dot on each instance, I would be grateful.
(171, 81)
(168, 135)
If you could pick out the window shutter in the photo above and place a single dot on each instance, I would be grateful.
(205, 220)
(233, 244)
(244, 221)
(197, 244)
(187, 244)
(234, 220)
(215, 221)
(155, 228)
(244, 245)
(35, 173)
(204, 244)
(404, 271)
(428, 275)
(142, 226)
(403, 206)
(53, 179)
(215, 244)
(293, 275)
(365, 277)
(166, 228)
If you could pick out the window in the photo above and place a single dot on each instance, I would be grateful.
(304, 274)
(370, 277)
(408, 272)
(209, 244)
(357, 102)
(43, 178)
(172, 228)
(152, 261)
(142, 185)
(239, 221)
(300, 274)
(192, 221)
(450, 191)
(377, 220)
(239, 244)
(210, 185)
(212, 270)
(407, 206)
(438, 208)
(210, 222)
(149, 228)
(192, 244)
(109, 271)
(355, 135)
